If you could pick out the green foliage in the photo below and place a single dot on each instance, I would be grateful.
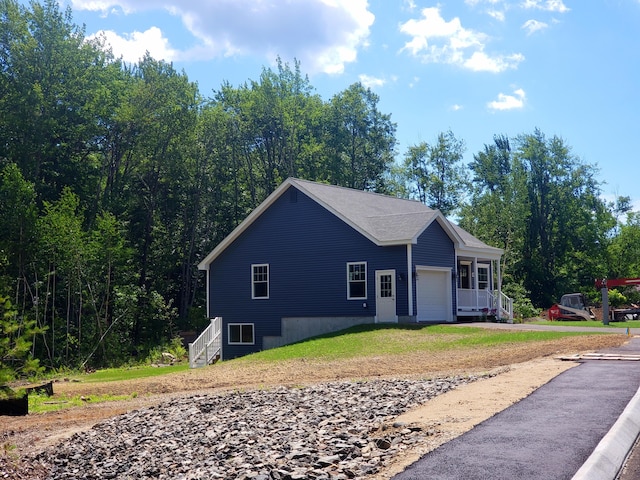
(616, 298)
(522, 306)
(541, 205)
(175, 348)
(15, 344)
(435, 174)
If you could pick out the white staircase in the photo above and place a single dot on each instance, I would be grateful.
(503, 306)
(207, 348)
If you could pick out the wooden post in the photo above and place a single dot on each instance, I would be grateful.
(605, 305)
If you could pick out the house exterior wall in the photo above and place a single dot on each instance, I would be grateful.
(435, 249)
(307, 249)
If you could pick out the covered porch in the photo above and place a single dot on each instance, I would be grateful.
(478, 289)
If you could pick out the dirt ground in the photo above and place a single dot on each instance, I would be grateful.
(520, 368)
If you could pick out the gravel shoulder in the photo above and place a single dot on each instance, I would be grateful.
(520, 369)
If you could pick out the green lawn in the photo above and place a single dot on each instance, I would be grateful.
(128, 373)
(376, 340)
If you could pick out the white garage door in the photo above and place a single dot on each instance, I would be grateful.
(433, 295)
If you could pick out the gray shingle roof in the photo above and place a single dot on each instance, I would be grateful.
(384, 219)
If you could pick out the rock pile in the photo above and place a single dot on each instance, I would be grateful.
(329, 431)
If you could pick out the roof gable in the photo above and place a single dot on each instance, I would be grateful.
(383, 219)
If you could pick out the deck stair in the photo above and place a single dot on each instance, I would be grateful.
(207, 348)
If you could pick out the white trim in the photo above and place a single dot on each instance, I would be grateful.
(366, 268)
(446, 226)
(253, 282)
(487, 267)
(253, 333)
(410, 278)
(208, 304)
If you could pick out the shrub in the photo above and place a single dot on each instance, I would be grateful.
(174, 347)
(522, 306)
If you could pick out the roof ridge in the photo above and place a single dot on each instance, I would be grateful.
(356, 190)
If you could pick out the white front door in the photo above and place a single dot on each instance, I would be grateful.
(386, 296)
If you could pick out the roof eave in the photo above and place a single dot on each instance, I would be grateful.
(491, 253)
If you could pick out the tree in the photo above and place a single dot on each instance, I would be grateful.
(15, 343)
(497, 208)
(62, 260)
(436, 173)
(542, 206)
(51, 78)
(360, 140)
(624, 249)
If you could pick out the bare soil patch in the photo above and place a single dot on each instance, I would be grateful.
(522, 368)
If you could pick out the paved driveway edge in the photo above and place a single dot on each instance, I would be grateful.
(609, 456)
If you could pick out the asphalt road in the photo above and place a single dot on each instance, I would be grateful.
(548, 435)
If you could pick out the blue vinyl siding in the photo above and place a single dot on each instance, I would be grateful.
(307, 249)
(435, 249)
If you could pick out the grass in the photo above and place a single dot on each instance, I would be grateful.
(42, 403)
(129, 373)
(376, 340)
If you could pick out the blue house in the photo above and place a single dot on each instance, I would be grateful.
(316, 258)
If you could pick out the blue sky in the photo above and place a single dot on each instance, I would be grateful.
(477, 67)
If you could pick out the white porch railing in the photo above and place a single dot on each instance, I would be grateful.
(506, 306)
(473, 300)
(207, 346)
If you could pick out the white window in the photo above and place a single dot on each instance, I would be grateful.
(241, 334)
(356, 281)
(260, 281)
(483, 277)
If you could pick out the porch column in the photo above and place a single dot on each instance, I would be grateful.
(499, 281)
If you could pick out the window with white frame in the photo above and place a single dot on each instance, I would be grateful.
(483, 277)
(357, 280)
(260, 281)
(241, 334)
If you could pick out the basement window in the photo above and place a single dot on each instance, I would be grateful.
(241, 334)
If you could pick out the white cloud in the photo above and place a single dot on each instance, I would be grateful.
(508, 102)
(132, 47)
(497, 14)
(435, 40)
(456, 107)
(324, 35)
(532, 26)
(371, 82)
(481, 62)
(557, 6)
(409, 4)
